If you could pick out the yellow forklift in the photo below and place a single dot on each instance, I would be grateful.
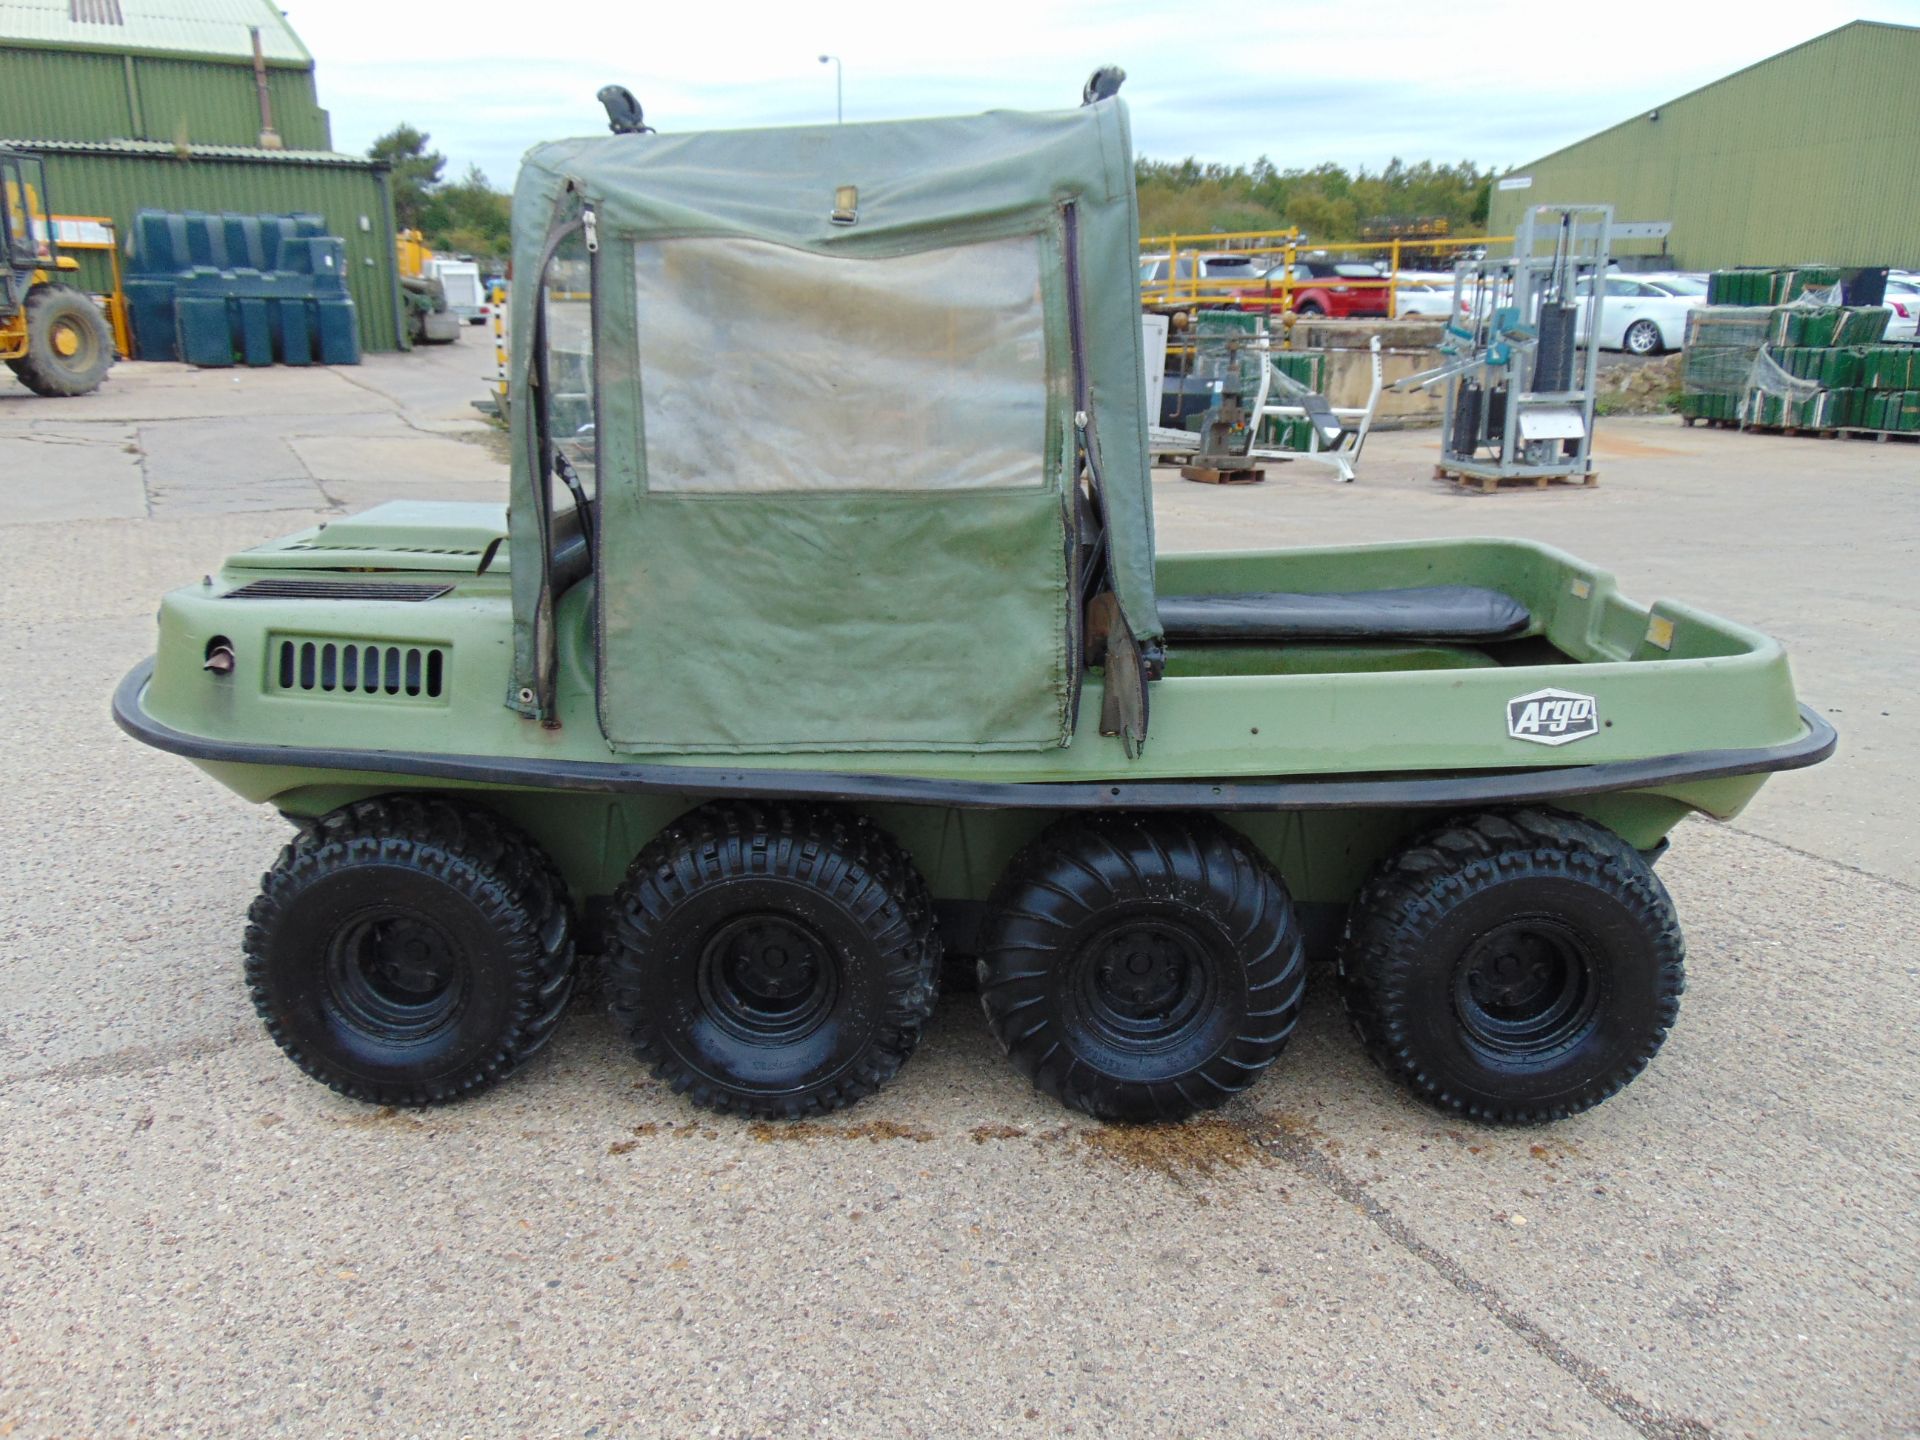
(51, 335)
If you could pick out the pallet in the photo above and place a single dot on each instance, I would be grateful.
(1493, 484)
(1215, 475)
(1836, 432)
(1796, 432)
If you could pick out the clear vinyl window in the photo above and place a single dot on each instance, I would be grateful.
(767, 369)
(566, 292)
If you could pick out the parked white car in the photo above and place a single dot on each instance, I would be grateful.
(1680, 285)
(1638, 317)
(1903, 299)
(1423, 295)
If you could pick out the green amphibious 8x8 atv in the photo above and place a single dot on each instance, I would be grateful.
(819, 642)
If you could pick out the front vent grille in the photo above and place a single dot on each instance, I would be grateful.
(336, 590)
(460, 553)
(352, 667)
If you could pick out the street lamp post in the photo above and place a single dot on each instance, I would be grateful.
(839, 113)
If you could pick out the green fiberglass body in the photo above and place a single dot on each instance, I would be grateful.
(824, 638)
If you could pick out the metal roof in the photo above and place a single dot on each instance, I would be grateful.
(215, 29)
(1872, 31)
(162, 150)
(1806, 156)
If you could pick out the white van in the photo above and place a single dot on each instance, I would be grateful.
(466, 294)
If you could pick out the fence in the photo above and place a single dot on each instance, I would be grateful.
(1258, 269)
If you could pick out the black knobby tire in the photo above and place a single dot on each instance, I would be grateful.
(1514, 967)
(776, 961)
(69, 347)
(409, 951)
(1643, 338)
(1141, 967)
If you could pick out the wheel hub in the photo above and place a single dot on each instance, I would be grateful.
(1526, 987)
(394, 976)
(1142, 968)
(1142, 983)
(767, 976)
(66, 340)
(410, 961)
(1514, 979)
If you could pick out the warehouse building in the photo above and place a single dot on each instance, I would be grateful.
(1812, 155)
(191, 105)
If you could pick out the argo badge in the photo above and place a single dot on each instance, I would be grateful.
(1552, 717)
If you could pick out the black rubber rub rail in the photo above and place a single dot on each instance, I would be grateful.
(1305, 792)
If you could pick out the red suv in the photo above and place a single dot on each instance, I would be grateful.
(1338, 289)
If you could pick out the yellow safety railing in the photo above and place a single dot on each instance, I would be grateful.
(1190, 253)
(1275, 253)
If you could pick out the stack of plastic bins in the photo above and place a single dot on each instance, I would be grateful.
(336, 327)
(208, 289)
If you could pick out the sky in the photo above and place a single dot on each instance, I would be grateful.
(1497, 82)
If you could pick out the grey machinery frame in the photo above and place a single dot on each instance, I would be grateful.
(1544, 432)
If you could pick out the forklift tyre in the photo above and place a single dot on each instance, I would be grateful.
(409, 951)
(1515, 967)
(1142, 968)
(69, 348)
(773, 961)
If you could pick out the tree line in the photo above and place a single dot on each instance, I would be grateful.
(459, 217)
(1326, 202)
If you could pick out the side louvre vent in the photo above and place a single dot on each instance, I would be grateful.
(353, 667)
(336, 590)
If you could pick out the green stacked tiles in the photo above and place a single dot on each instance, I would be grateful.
(1836, 368)
(1765, 408)
(1889, 367)
(1863, 325)
(1790, 285)
(1838, 349)
(1775, 286)
(1897, 410)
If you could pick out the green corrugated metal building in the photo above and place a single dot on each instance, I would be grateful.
(1812, 155)
(141, 104)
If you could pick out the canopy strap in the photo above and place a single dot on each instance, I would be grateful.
(1110, 639)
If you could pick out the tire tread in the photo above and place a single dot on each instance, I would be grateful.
(1381, 948)
(850, 859)
(1060, 880)
(498, 866)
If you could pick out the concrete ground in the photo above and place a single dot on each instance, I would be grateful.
(197, 1241)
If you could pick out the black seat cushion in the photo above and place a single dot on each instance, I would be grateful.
(1431, 612)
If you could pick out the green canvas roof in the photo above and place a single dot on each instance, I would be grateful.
(838, 457)
(212, 29)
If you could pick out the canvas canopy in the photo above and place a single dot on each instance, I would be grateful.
(863, 400)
